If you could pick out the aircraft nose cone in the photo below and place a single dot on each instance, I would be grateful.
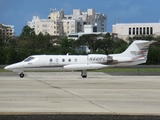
(6, 68)
(13, 66)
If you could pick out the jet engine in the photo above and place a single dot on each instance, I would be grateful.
(98, 58)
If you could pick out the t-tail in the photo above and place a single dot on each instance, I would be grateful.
(138, 50)
(135, 54)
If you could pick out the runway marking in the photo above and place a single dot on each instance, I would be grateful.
(55, 87)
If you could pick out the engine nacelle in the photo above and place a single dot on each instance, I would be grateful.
(98, 58)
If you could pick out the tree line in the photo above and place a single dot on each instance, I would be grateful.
(15, 49)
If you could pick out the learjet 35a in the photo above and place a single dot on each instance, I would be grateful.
(135, 54)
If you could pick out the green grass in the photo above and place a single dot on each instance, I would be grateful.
(3, 70)
(125, 70)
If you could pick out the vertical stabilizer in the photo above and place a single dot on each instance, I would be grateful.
(138, 49)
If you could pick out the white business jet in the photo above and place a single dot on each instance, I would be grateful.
(135, 54)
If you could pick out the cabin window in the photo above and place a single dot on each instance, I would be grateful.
(29, 59)
(75, 59)
(63, 60)
(69, 60)
(57, 60)
(51, 60)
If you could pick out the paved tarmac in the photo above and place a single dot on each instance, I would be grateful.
(68, 93)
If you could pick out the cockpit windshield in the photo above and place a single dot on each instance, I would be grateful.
(29, 59)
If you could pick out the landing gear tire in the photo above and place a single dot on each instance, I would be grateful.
(84, 76)
(21, 75)
(84, 73)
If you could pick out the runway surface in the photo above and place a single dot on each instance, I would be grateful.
(68, 93)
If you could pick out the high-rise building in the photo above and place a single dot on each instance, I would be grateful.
(53, 25)
(90, 17)
(60, 24)
(100, 22)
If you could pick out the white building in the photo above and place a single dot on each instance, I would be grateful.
(60, 24)
(34, 20)
(131, 29)
(72, 26)
(98, 20)
(88, 29)
(53, 25)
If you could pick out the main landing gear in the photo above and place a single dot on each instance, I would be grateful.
(21, 75)
(84, 73)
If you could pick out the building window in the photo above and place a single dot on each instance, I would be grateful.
(147, 30)
(102, 29)
(133, 31)
(102, 24)
(73, 36)
(85, 23)
(144, 30)
(140, 31)
(151, 30)
(137, 31)
(129, 31)
(72, 31)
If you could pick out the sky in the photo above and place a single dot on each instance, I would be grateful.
(19, 12)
